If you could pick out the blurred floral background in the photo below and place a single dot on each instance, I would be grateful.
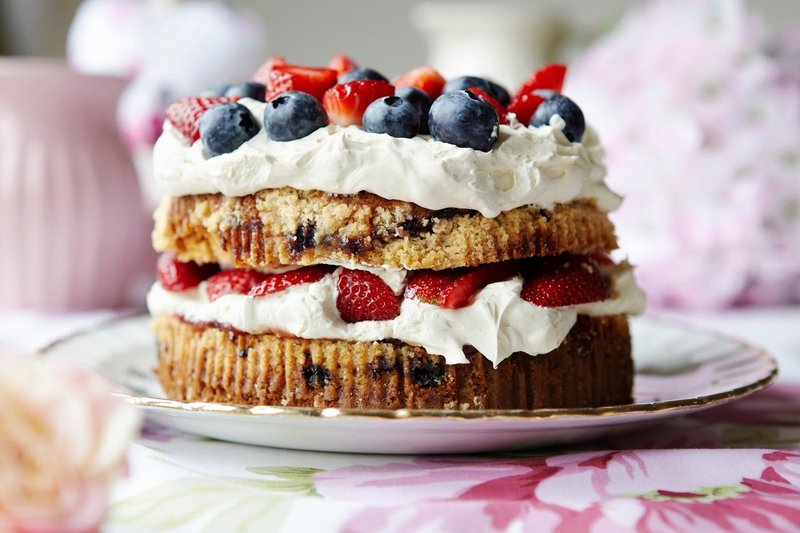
(697, 103)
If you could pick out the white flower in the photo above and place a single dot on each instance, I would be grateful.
(62, 442)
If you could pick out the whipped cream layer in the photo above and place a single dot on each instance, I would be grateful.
(527, 166)
(498, 323)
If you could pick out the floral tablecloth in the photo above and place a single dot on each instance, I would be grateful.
(732, 468)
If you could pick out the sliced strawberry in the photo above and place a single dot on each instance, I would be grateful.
(428, 285)
(364, 296)
(453, 289)
(524, 107)
(424, 78)
(184, 114)
(262, 74)
(233, 282)
(177, 276)
(279, 282)
(565, 280)
(342, 63)
(483, 95)
(345, 103)
(550, 77)
(311, 80)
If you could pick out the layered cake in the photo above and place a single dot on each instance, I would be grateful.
(332, 239)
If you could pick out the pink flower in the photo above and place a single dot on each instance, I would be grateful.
(62, 442)
(701, 128)
(650, 490)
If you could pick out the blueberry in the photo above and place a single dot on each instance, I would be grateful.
(565, 108)
(293, 115)
(248, 89)
(393, 115)
(465, 120)
(218, 90)
(362, 74)
(420, 100)
(225, 127)
(489, 87)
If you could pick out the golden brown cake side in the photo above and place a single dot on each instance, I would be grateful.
(592, 367)
(287, 226)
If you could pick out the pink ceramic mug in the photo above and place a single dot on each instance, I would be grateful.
(73, 231)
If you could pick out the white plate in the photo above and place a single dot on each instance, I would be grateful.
(679, 370)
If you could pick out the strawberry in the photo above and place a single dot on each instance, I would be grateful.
(364, 296)
(483, 95)
(565, 280)
(524, 107)
(184, 114)
(311, 80)
(345, 103)
(342, 63)
(232, 282)
(177, 276)
(262, 74)
(453, 289)
(424, 78)
(550, 77)
(428, 285)
(279, 282)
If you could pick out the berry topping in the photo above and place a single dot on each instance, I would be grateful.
(225, 127)
(248, 89)
(565, 108)
(346, 103)
(314, 81)
(463, 119)
(280, 282)
(483, 95)
(420, 100)
(262, 74)
(565, 280)
(342, 63)
(293, 115)
(393, 115)
(177, 276)
(465, 82)
(525, 106)
(184, 114)
(364, 296)
(362, 74)
(426, 79)
(453, 289)
(232, 282)
(550, 77)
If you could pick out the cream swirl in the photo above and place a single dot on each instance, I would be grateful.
(536, 166)
(497, 323)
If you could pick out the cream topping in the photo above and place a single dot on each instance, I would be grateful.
(498, 323)
(537, 166)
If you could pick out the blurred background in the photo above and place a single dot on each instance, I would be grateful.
(697, 103)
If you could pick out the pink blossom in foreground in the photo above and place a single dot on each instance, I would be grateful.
(62, 443)
(646, 490)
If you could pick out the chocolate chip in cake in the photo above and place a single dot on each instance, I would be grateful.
(316, 376)
(243, 352)
(426, 373)
(381, 365)
(303, 238)
(415, 226)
